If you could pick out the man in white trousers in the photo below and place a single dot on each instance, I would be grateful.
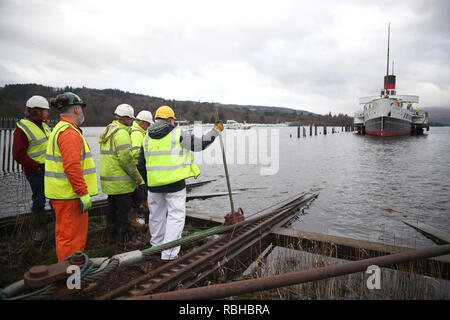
(166, 161)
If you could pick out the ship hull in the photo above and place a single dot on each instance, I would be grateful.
(388, 127)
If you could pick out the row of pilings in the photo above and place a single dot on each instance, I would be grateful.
(349, 128)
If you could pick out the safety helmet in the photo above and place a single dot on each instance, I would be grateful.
(145, 115)
(124, 110)
(37, 102)
(165, 112)
(66, 99)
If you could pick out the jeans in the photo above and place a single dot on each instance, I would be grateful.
(36, 180)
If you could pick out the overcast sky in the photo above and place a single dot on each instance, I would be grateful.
(315, 55)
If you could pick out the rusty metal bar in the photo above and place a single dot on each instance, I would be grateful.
(353, 249)
(287, 279)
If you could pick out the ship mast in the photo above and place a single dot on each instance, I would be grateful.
(387, 63)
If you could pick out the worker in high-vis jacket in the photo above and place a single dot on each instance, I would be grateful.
(168, 161)
(138, 131)
(119, 175)
(70, 176)
(29, 146)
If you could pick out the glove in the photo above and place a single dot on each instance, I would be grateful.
(218, 126)
(142, 192)
(86, 203)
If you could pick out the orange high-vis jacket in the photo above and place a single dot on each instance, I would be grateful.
(71, 225)
(70, 144)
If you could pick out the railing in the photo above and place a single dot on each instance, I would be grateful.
(7, 127)
(8, 165)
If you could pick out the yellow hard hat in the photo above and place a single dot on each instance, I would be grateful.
(165, 112)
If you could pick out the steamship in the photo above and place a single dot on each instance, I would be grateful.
(390, 114)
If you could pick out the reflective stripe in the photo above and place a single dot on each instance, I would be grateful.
(53, 158)
(56, 134)
(85, 155)
(62, 175)
(24, 126)
(59, 158)
(36, 142)
(135, 148)
(36, 154)
(168, 168)
(115, 178)
(130, 169)
(108, 152)
(111, 151)
(124, 146)
(165, 153)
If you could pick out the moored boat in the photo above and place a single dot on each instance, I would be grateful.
(390, 114)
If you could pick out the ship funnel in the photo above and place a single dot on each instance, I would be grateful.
(389, 82)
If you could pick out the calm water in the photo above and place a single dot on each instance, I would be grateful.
(361, 181)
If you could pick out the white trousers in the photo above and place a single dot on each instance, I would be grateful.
(167, 227)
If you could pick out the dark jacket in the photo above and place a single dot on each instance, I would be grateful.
(187, 141)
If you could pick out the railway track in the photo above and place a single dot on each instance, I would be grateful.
(199, 265)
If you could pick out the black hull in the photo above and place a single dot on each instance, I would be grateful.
(387, 126)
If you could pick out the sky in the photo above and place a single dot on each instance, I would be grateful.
(320, 55)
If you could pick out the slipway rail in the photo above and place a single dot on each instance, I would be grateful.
(199, 265)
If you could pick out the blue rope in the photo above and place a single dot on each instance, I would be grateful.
(83, 270)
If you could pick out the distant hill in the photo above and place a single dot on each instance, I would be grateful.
(438, 116)
(289, 110)
(102, 103)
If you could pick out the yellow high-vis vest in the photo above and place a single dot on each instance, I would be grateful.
(56, 183)
(37, 139)
(166, 161)
(118, 171)
(137, 135)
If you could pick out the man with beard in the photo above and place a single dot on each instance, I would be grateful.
(70, 176)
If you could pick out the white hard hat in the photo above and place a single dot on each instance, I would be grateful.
(124, 110)
(37, 102)
(145, 115)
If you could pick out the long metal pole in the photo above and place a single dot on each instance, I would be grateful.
(287, 279)
(226, 171)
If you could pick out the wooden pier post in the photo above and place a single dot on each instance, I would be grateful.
(315, 130)
(310, 130)
(324, 130)
(298, 132)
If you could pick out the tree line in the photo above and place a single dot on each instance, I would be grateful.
(102, 103)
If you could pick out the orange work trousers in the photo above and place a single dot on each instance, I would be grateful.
(71, 227)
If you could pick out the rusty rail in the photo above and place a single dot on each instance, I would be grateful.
(198, 265)
(287, 279)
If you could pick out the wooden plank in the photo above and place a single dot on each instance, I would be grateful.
(207, 196)
(352, 249)
(436, 235)
(428, 231)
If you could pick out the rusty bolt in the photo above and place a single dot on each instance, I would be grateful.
(38, 271)
(77, 258)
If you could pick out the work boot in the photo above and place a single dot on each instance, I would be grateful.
(136, 222)
(39, 235)
(144, 213)
(39, 226)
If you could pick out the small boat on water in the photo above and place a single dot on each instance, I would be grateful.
(232, 124)
(390, 114)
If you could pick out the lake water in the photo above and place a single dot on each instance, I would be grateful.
(364, 182)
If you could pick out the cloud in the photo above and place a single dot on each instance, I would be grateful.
(320, 55)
